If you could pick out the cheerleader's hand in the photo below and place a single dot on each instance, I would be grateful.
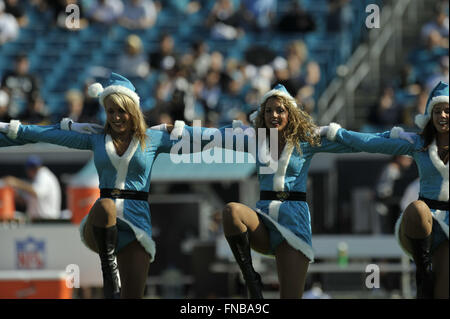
(4, 127)
(407, 136)
(322, 130)
(86, 128)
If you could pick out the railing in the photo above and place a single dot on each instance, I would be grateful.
(337, 103)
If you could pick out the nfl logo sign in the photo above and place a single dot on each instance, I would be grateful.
(30, 253)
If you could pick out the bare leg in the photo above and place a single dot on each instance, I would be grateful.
(238, 218)
(101, 233)
(134, 264)
(440, 268)
(292, 267)
(415, 236)
(243, 230)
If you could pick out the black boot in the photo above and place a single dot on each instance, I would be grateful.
(106, 239)
(423, 260)
(240, 246)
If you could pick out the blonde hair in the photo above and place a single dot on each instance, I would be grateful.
(139, 126)
(300, 126)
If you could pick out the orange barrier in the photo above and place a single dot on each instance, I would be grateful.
(80, 200)
(7, 205)
(29, 284)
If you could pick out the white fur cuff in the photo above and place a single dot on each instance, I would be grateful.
(65, 124)
(177, 130)
(237, 123)
(395, 132)
(332, 131)
(13, 129)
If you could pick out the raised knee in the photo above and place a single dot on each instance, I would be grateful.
(417, 213)
(230, 212)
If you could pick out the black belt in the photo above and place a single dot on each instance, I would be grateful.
(282, 196)
(434, 204)
(123, 193)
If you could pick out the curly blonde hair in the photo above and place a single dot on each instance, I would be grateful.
(300, 127)
(139, 126)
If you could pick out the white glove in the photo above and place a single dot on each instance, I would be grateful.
(407, 136)
(160, 127)
(4, 127)
(86, 128)
(322, 130)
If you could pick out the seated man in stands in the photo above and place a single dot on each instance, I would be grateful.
(41, 193)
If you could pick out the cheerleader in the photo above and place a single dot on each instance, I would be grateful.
(280, 224)
(118, 227)
(422, 229)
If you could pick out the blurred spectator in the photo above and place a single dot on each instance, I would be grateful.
(231, 103)
(132, 62)
(160, 112)
(258, 14)
(439, 24)
(224, 21)
(210, 94)
(201, 58)
(4, 102)
(339, 23)
(15, 8)
(41, 192)
(105, 12)
(165, 57)
(387, 196)
(21, 84)
(35, 113)
(296, 20)
(138, 14)
(441, 74)
(60, 15)
(75, 106)
(9, 28)
(386, 112)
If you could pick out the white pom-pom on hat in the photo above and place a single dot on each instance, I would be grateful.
(95, 90)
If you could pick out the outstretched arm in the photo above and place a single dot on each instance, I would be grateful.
(52, 134)
(384, 143)
(195, 139)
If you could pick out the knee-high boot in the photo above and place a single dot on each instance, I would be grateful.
(106, 239)
(423, 260)
(240, 246)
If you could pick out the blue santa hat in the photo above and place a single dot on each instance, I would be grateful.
(116, 84)
(278, 90)
(438, 95)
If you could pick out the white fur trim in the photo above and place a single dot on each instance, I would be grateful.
(237, 124)
(421, 120)
(177, 130)
(332, 131)
(144, 239)
(291, 238)
(442, 169)
(65, 124)
(119, 89)
(395, 132)
(13, 129)
(95, 89)
(278, 178)
(436, 100)
(275, 92)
